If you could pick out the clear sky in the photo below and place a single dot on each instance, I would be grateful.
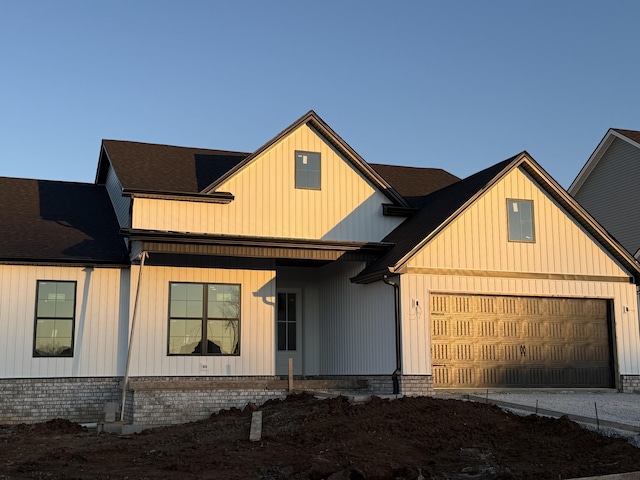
(458, 85)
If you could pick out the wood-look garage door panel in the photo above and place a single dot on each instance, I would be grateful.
(499, 341)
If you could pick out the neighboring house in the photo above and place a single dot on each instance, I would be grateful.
(607, 186)
(191, 277)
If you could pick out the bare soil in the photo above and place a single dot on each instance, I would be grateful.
(307, 438)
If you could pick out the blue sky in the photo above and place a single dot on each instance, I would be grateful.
(458, 85)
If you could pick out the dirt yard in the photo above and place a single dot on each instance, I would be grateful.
(306, 438)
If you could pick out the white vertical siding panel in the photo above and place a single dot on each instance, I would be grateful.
(561, 245)
(347, 207)
(356, 323)
(256, 323)
(91, 344)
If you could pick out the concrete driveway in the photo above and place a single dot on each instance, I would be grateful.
(609, 411)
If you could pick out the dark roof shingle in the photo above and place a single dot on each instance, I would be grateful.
(436, 208)
(165, 168)
(58, 221)
(414, 183)
(631, 134)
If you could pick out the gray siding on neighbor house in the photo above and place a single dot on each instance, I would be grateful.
(611, 194)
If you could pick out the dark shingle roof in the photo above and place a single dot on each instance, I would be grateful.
(414, 183)
(58, 221)
(631, 134)
(165, 168)
(437, 207)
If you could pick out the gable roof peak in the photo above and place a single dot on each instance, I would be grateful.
(633, 135)
(630, 136)
(323, 129)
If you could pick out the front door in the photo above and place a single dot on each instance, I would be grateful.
(289, 331)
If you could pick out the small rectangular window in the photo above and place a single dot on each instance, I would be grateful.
(204, 319)
(308, 170)
(287, 322)
(55, 319)
(521, 221)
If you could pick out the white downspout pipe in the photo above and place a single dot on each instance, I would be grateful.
(125, 382)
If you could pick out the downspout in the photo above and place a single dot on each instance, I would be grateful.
(125, 382)
(396, 305)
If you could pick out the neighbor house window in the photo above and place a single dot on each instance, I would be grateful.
(55, 318)
(308, 170)
(204, 319)
(521, 220)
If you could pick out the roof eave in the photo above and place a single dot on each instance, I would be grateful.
(371, 277)
(183, 237)
(518, 159)
(590, 224)
(64, 262)
(213, 197)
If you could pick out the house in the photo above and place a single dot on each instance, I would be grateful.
(187, 280)
(607, 187)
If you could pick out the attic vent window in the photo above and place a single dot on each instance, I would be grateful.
(308, 170)
(521, 220)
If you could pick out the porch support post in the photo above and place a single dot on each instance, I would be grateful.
(125, 382)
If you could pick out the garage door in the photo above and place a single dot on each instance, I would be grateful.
(501, 341)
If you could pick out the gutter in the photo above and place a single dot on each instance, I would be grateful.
(396, 305)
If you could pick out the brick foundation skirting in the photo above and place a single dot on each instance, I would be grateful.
(172, 400)
(630, 383)
(31, 400)
(416, 385)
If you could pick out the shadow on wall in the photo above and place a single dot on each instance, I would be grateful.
(82, 321)
(364, 224)
(267, 293)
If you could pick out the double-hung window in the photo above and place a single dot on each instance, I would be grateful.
(55, 319)
(204, 319)
(521, 220)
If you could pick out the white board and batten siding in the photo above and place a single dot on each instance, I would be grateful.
(150, 343)
(347, 328)
(611, 195)
(357, 329)
(477, 241)
(101, 320)
(267, 204)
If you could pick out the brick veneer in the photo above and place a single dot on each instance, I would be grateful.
(172, 400)
(630, 383)
(416, 385)
(30, 400)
